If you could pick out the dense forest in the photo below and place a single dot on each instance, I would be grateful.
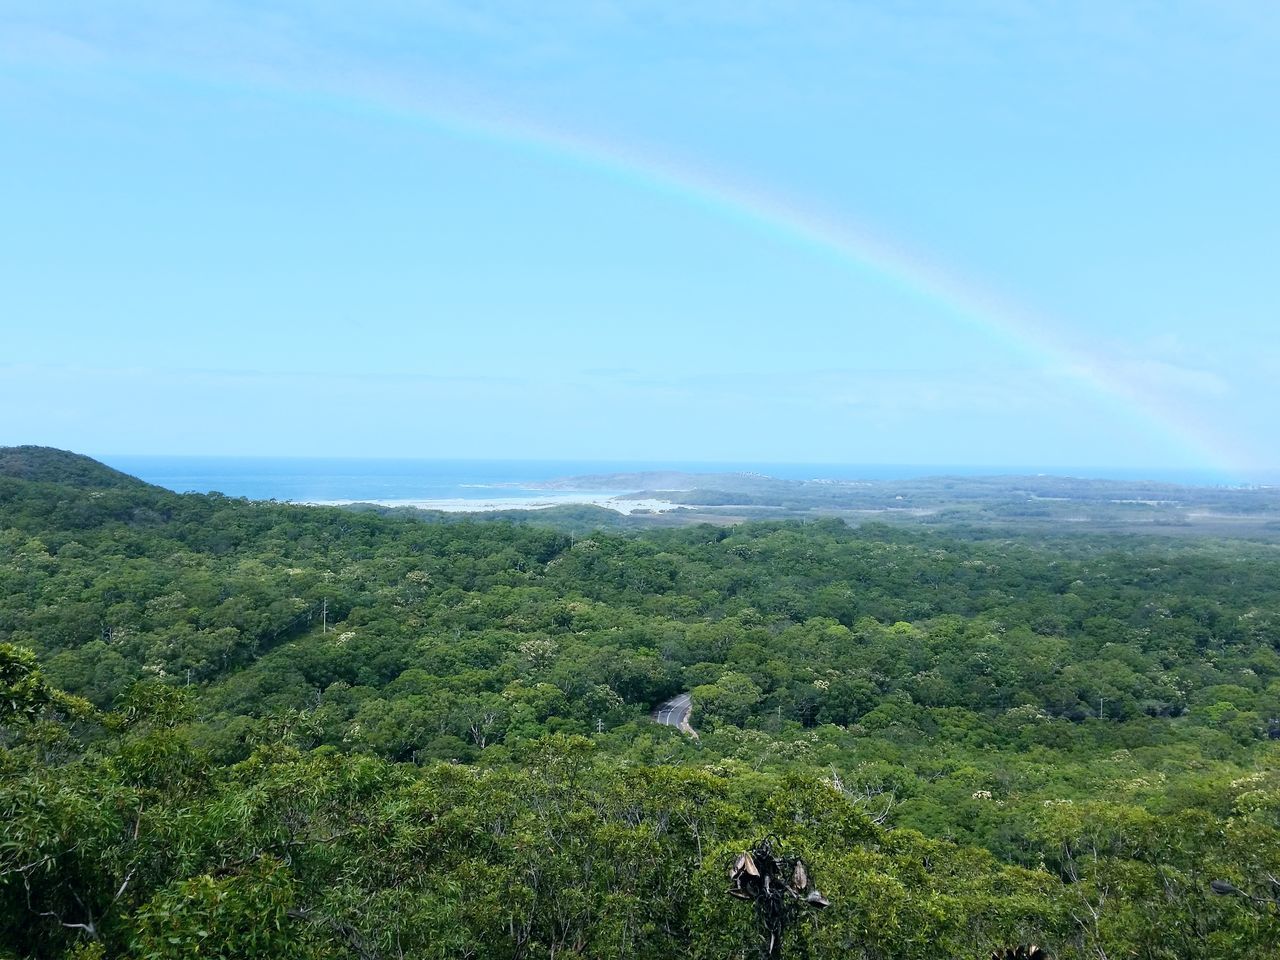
(250, 729)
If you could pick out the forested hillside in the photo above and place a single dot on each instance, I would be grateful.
(255, 729)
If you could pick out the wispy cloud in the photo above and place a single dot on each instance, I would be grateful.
(1152, 376)
(248, 375)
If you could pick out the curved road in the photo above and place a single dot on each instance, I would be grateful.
(675, 713)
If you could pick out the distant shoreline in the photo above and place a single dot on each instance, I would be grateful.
(618, 503)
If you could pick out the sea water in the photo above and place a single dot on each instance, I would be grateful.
(327, 479)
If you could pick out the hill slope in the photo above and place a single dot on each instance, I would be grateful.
(51, 465)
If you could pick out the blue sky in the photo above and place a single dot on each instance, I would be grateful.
(561, 230)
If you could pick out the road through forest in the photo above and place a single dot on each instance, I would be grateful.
(675, 713)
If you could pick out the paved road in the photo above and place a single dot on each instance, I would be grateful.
(675, 713)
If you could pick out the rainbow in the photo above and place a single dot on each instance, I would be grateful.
(784, 221)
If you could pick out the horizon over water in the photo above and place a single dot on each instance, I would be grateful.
(311, 479)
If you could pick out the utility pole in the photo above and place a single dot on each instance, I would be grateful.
(599, 725)
(1100, 700)
(324, 615)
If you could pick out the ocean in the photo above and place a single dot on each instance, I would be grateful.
(330, 479)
